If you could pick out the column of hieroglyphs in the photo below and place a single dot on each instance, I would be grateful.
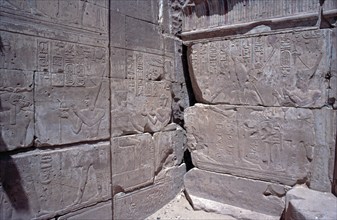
(264, 76)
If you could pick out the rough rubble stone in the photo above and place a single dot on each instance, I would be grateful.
(256, 196)
(144, 202)
(306, 204)
(287, 145)
(285, 69)
(42, 184)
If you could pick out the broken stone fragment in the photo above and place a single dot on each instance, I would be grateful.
(307, 204)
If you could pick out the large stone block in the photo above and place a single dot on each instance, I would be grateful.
(71, 89)
(16, 109)
(213, 13)
(257, 196)
(42, 184)
(285, 69)
(286, 145)
(139, 106)
(144, 202)
(306, 204)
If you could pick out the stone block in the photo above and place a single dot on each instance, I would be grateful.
(86, 15)
(285, 69)
(303, 203)
(143, 36)
(256, 196)
(139, 106)
(133, 162)
(144, 202)
(117, 29)
(71, 89)
(210, 14)
(169, 148)
(137, 9)
(287, 145)
(16, 109)
(42, 184)
(102, 211)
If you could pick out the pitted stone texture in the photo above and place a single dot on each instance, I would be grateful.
(102, 211)
(139, 106)
(43, 184)
(16, 109)
(144, 202)
(71, 89)
(286, 69)
(286, 145)
(306, 204)
(202, 14)
(257, 196)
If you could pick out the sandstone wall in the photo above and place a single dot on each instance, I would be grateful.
(87, 90)
(264, 78)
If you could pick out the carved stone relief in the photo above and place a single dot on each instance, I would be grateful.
(278, 144)
(71, 89)
(288, 69)
(139, 105)
(42, 184)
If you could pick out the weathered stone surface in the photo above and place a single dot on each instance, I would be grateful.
(137, 159)
(42, 184)
(257, 196)
(144, 202)
(169, 148)
(71, 89)
(286, 69)
(139, 106)
(286, 145)
(16, 109)
(202, 14)
(303, 203)
(101, 211)
(133, 162)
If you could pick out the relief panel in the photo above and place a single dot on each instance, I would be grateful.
(76, 13)
(139, 106)
(287, 69)
(275, 144)
(71, 93)
(16, 109)
(42, 184)
(133, 162)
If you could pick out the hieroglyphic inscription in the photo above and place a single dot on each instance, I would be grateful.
(273, 70)
(139, 105)
(70, 93)
(256, 142)
(54, 182)
(133, 161)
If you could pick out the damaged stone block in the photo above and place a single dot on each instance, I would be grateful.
(209, 190)
(287, 145)
(303, 203)
(144, 202)
(42, 184)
